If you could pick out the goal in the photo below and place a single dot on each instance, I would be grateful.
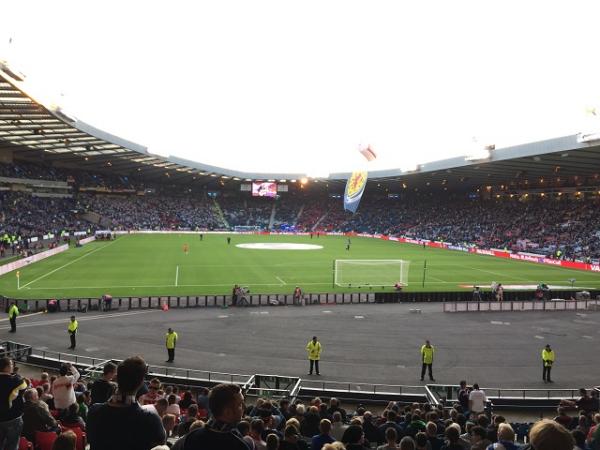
(370, 272)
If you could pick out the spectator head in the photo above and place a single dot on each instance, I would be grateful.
(291, 433)
(333, 402)
(478, 434)
(272, 442)
(196, 424)
(44, 377)
(334, 446)
(293, 422)
(300, 410)
(550, 435)
(391, 435)
(172, 399)
(192, 410)
(421, 440)
(257, 426)
(64, 369)
(505, 432)
(325, 426)
(583, 392)
(109, 371)
(65, 441)
(226, 403)
(31, 395)
(452, 434)
(431, 429)
(337, 417)
(407, 443)
(353, 435)
(161, 406)
(476, 386)
(391, 416)
(130, 375)
(154, 384)
(168, 421)
(243, 427)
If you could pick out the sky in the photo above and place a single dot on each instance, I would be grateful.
(275, 85)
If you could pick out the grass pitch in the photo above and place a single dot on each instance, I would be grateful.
(143, 265)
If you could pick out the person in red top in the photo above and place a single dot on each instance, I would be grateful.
(298, 296)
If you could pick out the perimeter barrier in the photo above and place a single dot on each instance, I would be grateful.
(454, 301)
(278, 386)
(506, 306)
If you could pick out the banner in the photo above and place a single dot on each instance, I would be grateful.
(354, 190)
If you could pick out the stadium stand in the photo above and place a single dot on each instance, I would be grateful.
(298, 423)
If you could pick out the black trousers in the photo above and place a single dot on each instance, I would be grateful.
(171, 352)
(13, 324)
(72, 336)
(546, 373)
(425, 367)
(314, 363)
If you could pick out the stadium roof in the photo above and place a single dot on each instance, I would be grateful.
(34, 131)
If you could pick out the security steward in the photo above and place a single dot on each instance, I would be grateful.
(427, 351)
(171, 341)
(13, 312)
(314, 349)
(72, 330)
(547, 361)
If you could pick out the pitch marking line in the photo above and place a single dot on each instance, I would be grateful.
(67, 264)
(283, 283)
(81, 319)
(177, 276)
(24, 316)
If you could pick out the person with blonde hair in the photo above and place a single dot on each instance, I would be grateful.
(549, 435)
(334, 446)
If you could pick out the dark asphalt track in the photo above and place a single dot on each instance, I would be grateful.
(361, 343)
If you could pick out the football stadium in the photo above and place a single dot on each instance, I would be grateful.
(453, 304)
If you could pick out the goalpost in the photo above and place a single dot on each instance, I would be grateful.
(370, 272)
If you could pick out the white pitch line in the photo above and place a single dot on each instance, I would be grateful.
(81, 319)
(67, 264)
(24, 316)
(283, 283)
(177, 276)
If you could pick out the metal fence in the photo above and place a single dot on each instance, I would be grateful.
(504, 306)
(514, 298)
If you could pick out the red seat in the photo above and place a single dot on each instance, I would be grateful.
(24, 444)
(45, 439)
(81, 436)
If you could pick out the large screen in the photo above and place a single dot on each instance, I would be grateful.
(264, 189)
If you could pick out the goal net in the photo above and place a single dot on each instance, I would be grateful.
(370, 272)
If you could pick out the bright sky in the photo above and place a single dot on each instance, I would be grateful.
(274, 85)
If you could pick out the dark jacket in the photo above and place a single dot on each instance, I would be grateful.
(36, 418)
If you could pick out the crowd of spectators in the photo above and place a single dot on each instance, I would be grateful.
(122, 411)
(565, 227)
(153, 212)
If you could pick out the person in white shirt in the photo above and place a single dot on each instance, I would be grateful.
(337, 426)
(477, 401)
(63, 387)
(173, 407)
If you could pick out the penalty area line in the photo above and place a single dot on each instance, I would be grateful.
(66, 265)
(177, 276)
(283, 283)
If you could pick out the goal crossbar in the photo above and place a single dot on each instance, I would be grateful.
(370, 272)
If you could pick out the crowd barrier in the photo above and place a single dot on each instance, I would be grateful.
(277, 385)
(504, 306)
(197, 301)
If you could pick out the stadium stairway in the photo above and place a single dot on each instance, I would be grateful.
(220, 214)
(272, 218)
(298, 215)
(318, 222)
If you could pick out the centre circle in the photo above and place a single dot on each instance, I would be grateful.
(279, 246)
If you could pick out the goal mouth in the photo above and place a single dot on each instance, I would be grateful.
(370, 273)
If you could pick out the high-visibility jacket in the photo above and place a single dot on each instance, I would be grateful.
(73, 325)
(548, 357)
(171, 340)
(314, 350)
(427, 354)
(13, 311)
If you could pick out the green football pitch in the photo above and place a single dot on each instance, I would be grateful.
(144, 265)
